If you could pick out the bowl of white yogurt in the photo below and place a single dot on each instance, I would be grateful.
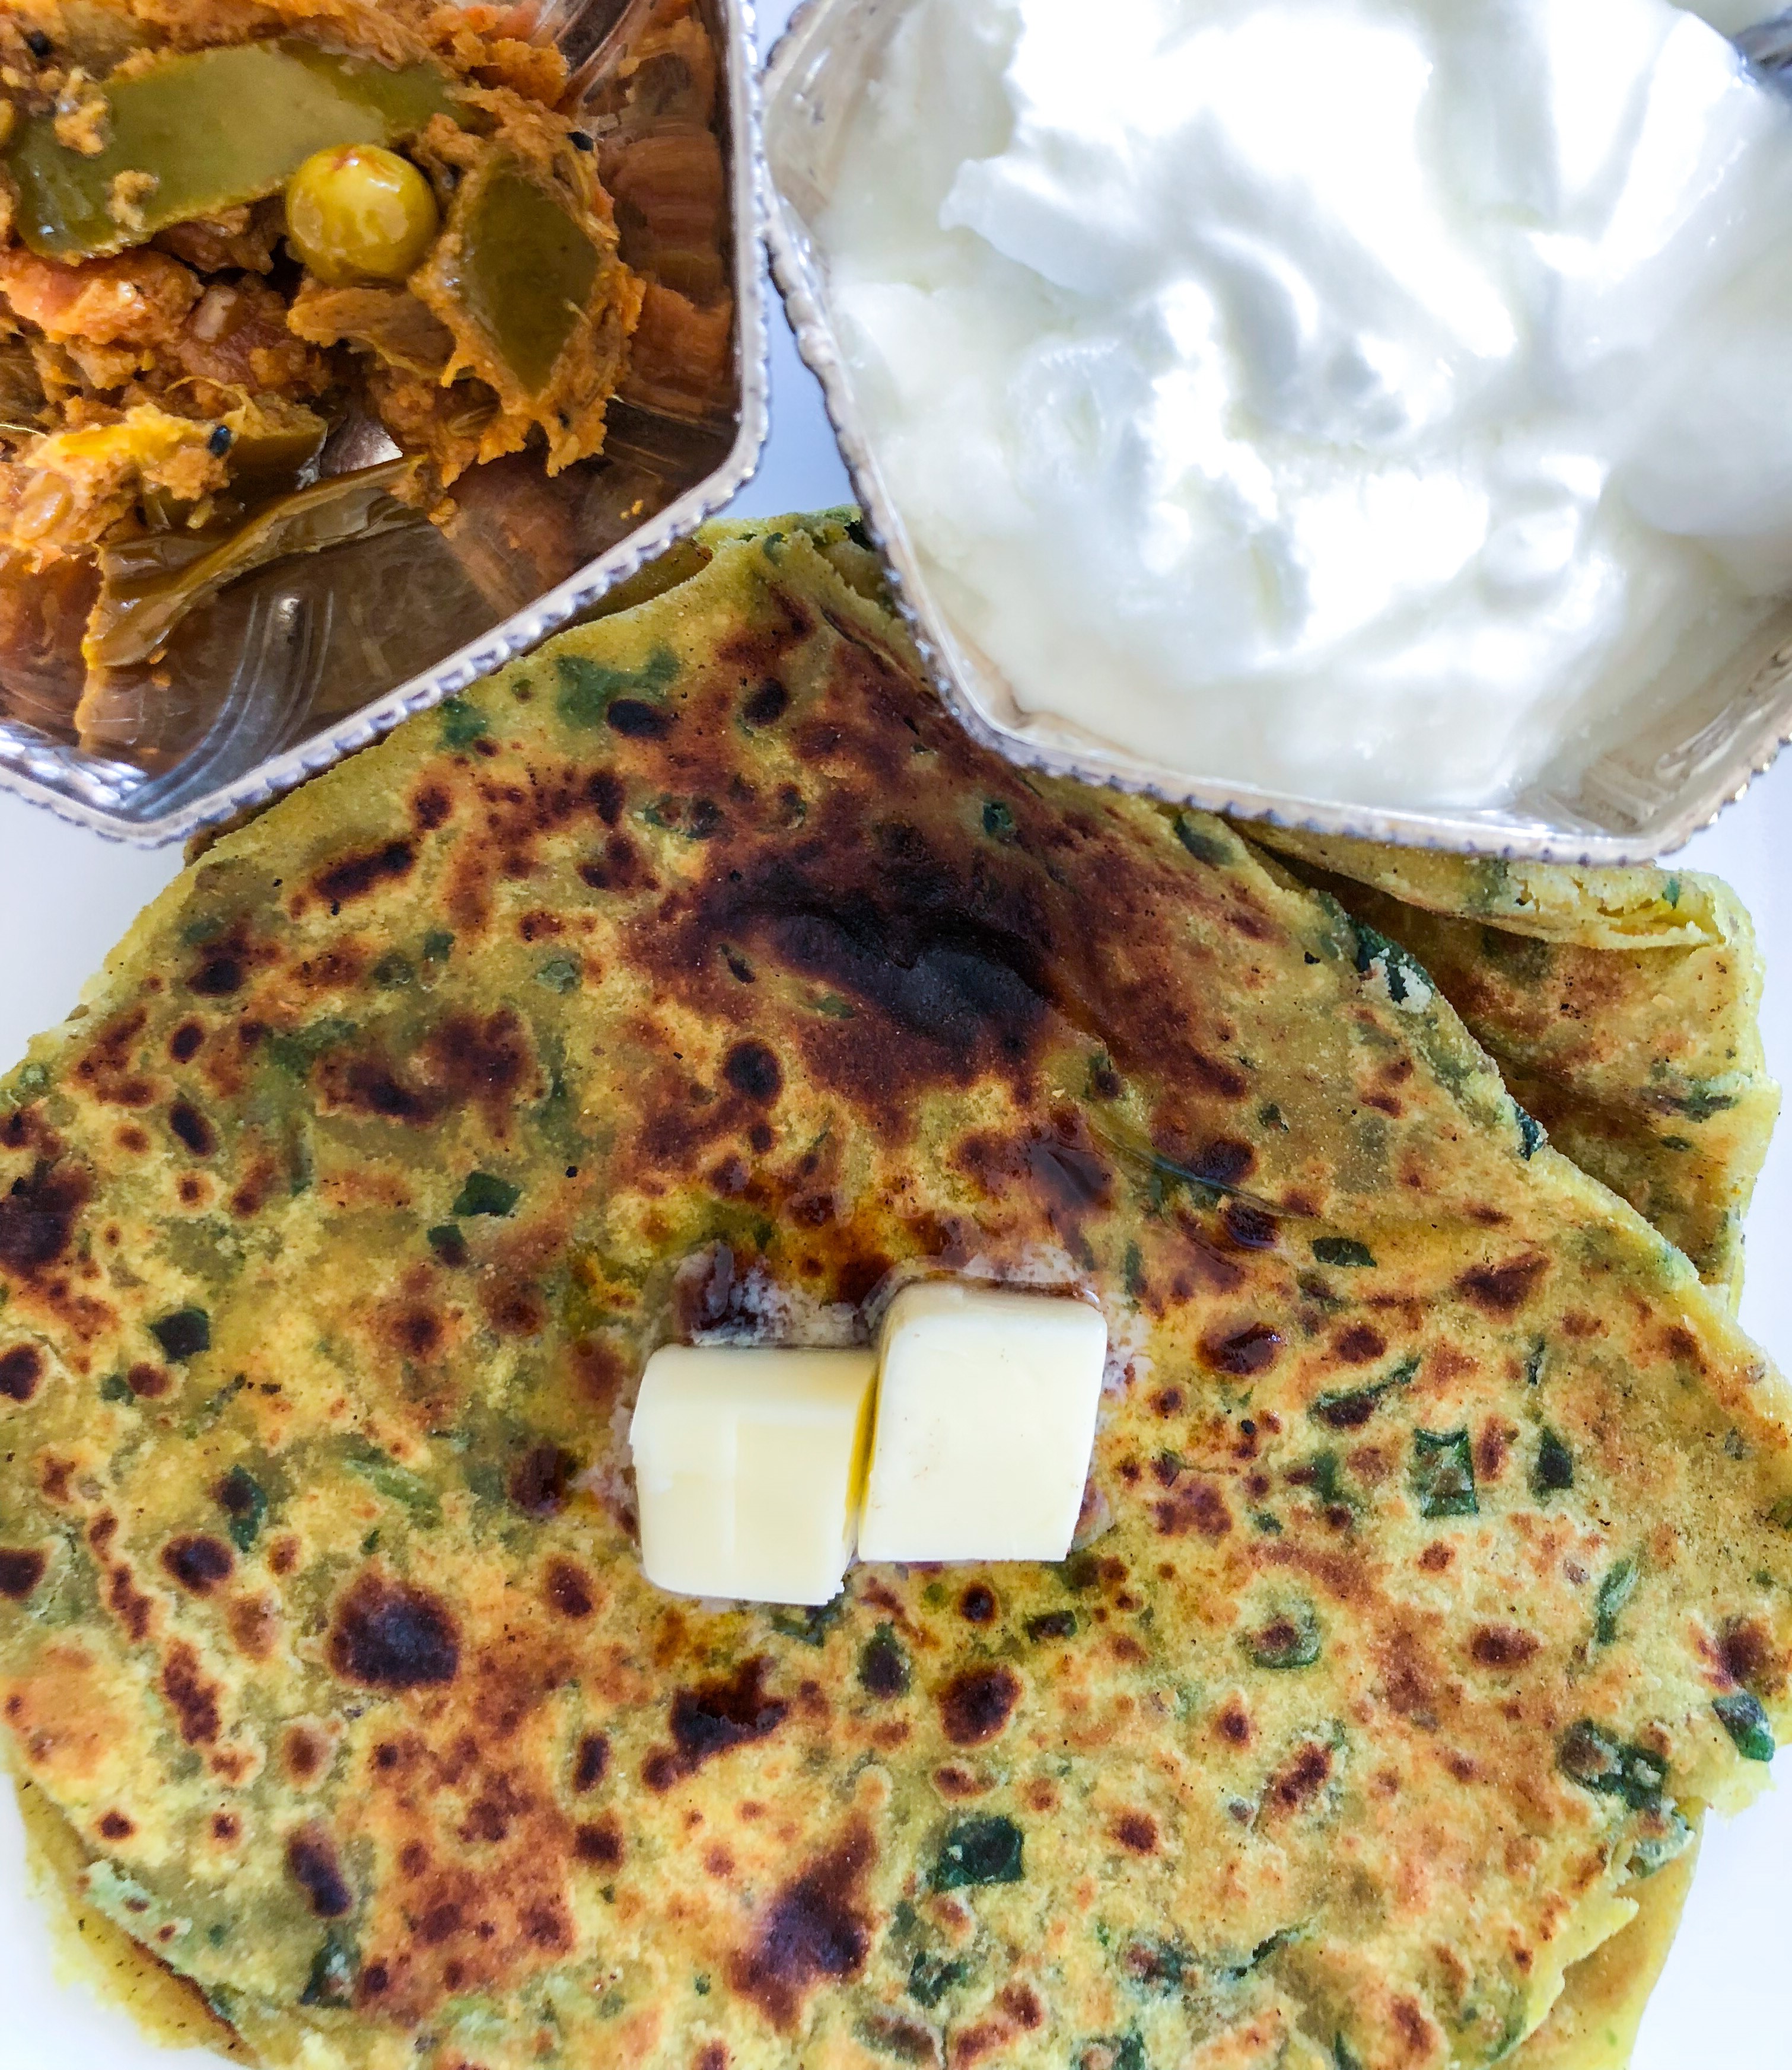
(1372, 415)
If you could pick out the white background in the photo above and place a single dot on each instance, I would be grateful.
(1726, 1999)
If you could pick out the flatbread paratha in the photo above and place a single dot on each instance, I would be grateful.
(1621, 1007)
(697, 976)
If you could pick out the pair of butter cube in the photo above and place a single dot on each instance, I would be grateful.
(967, 1438)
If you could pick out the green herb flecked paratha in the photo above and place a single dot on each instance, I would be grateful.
(1620, 1005)
(697, 976)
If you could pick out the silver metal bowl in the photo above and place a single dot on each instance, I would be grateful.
(1672, 776)
(287, 671)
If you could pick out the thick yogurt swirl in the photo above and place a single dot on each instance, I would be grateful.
(1376, 400)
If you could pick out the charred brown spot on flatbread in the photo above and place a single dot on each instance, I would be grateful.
(193, 1696)
(753, 1070)
(975, 1706)
(1502, 1289)
(1252, 1348)
(36, 1218)
(417, 1332)
(357, 875)
(390, 1635)
(714, 1718)
(935, 991)
(815, 1929)
(465, 1061)
(315, 1867)
(197, 1562)
(1136, 1832)
(600, 1844)
(1358, 1344)
(1502, 1645)
(253, 1623)
(220, 970)
(1197, 1506)
(20, 1129)
(191, 1128)
(541, 1477)
(22, 1568)
(568, 1589)
(431, 804)
(21, 1370)
(132, 1608)
(1751, 1657)
(591, 1762)
(305, 1753)
(108, 1065)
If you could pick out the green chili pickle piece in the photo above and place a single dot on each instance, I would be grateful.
(525, 274)
(205, 131)
(148, 586)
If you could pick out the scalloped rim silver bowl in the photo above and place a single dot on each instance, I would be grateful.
(1670, 779)
(96, 793)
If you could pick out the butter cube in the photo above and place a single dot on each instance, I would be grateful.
(750, 1466)
(986, 1418)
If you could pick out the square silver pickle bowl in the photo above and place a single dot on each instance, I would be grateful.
(290, 669)
(1671, 777)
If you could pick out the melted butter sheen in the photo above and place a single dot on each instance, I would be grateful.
(1371, 398)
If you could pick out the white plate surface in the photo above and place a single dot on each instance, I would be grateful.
(66, 897)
